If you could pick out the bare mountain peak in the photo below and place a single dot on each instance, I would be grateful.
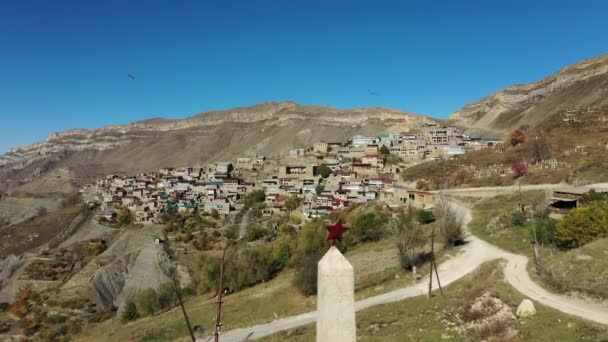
(584, 84)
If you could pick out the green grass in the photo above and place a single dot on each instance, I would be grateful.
(259, 304)
(512, 239)
(250, 306)
(420, 319)
(584, 269)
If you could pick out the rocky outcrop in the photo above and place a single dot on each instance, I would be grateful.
(581, 85)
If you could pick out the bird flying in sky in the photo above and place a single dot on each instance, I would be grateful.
(373, 93)
(131, 76)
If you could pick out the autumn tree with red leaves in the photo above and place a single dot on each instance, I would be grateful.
(519, 169)
(516, 137)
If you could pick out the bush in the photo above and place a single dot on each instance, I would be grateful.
(425, 216)
(130, 312)
(583, 225)
(166, 296)
(369, 226)
(518, 218)
(592, 196)
(147, 302)
(255, 232)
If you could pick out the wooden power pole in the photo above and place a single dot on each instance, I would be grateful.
(433, 265)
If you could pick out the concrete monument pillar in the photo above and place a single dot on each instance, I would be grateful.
(335, 299)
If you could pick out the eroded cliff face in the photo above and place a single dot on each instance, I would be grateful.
(584, 84)
(268, 128)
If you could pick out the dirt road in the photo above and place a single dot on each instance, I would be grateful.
(471, 256)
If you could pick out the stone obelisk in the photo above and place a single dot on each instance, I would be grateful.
(335, 299)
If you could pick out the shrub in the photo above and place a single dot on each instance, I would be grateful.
(518, 218)
(592, 196)
(166, 296)
(130, 312)
(425, 216)
(255, 232)
(583, 225)
(147, 302)
(369, 226)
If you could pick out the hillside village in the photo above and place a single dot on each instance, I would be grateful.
(325, 177)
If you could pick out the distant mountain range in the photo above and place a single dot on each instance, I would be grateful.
(80, 155)
(268, 128)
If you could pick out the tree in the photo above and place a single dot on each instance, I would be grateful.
(519, 169)
(516, 137)
(215, 214)
(324, 171)
(384, 150)
(319, 189)
(449, 224)
(539, 149)
(256, 196)
(292, 203)
(124, 216)
(311, 245)
(130, 312)
(409, 235)
(369, 226)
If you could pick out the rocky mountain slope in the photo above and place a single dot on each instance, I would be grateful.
(80, 155)
(578, 86)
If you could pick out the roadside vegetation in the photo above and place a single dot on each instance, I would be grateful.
(572, 251)
(453, 317)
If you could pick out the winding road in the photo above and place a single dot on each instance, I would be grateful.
(471, 256)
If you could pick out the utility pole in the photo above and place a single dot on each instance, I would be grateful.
(220, 292)
(536, 253)
(178, 293)
(433, 265)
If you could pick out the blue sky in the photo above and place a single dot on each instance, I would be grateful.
(64, 64)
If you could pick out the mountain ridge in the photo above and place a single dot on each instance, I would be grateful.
(526, 105)
(267, 128)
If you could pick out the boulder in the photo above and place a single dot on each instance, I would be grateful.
(526, 309)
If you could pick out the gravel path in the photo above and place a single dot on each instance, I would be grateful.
(471, 256)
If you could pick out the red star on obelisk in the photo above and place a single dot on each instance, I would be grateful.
(335, 232)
